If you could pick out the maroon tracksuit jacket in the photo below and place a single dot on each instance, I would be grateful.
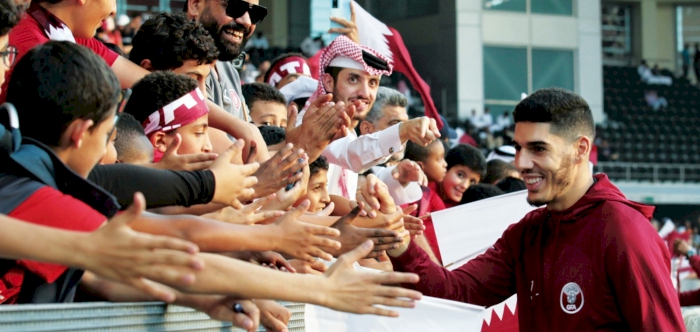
(599, 266)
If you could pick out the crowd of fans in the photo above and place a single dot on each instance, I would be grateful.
(268, 184)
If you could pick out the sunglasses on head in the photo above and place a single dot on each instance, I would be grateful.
(238, 8)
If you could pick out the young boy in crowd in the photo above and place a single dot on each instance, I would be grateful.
(466, 165)
(266, 104)
(132, 144)
(317, 189)
(431, 159)
(167, 105)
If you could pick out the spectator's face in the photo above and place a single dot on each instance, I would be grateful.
(434, 165)
(546, 162)
(317, 192)
(457, 180)
(287, 79)
(392, 116)
(91, 145)
(94, 13)
(199, 72)
(4, 40)
(268, 113)
(230, 33)
(352, 86)
(110, 156)
(195, 138)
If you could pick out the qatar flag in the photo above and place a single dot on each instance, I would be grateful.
(386, 40)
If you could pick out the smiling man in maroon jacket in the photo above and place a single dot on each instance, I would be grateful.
(589, 261)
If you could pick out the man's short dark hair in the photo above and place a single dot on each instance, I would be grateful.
(156, 90)
(10, 13)
(272, 134)
(278, 59)
(511, 184)
(568, 113)
(128, 128)
(168, 40)
(317, 165)
(57, 83)
(468, 156)
(253, 92)
(496, 170)
(479, 191)
(334, 72)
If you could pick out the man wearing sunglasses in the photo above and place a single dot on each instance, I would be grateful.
(231, 23)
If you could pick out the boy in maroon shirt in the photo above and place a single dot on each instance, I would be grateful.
(588, 261)
(466, 166)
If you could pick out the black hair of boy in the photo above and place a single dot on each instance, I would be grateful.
(128, 129)
(272, 135)
(168, 40)
(568, 113)
(497, 169)
(511, 184)
(479, 191)
(416, 152)
(57, 83)
(253, 92)
(321, 163)
(10, 13)
(277, 59)
(468, 156)
(156, 90)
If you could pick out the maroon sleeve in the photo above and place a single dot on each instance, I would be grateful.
(99, 48)
(691, 298)
(485, 280)
(49, 207)
(695, 263)
(638, 265)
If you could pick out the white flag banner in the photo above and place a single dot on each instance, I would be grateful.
(430, 314)
(465, 231)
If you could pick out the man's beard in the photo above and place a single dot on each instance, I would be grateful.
(227, 50)
(561, 181)
(357, 117)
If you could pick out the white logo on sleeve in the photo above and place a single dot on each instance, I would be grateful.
(571, 298)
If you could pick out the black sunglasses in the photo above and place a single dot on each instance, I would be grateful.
(238, 8)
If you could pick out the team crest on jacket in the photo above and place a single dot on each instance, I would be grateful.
(571, 298)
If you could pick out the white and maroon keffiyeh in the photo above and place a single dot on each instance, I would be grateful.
(345, 53)
(178, 113)
(53, 27)
(287, 66)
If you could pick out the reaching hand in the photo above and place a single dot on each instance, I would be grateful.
(283, 168)
(188, 162)
(248, 214)
(302, 240)
(409, 171)
(284, 198)
(421, 131)
(413, 225)
(117, 252)
(268, 259)
(359, 292)
(221, 308)
(366, 194)
(681, 247)
(234, 183)
(351, 236)
(304, 267)
(326, 211)
(321, 123)
(273, 316)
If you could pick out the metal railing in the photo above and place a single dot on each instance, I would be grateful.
(652, 172)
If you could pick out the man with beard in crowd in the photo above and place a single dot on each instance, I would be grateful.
(589, 260)
(352, 73)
